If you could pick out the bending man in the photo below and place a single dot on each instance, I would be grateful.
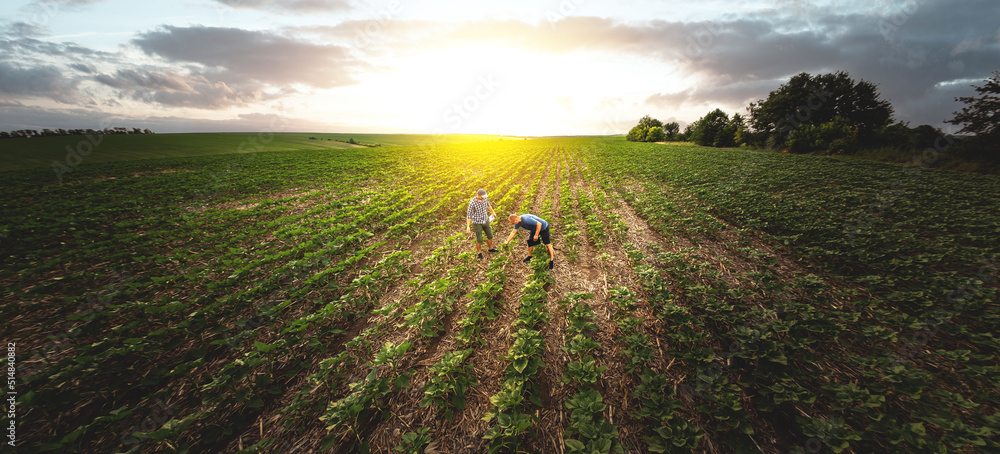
(538, 232)
(477, 217)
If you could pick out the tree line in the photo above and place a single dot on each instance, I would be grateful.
(836, 114)
(28, 133)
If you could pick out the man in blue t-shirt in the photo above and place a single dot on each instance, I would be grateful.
(538, 232)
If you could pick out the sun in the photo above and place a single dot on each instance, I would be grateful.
(466, 89)
(483, 89)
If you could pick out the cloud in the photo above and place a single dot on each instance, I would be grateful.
(130, 79)
(906, 52)
(174, 90)
(83, 67)
(909, 49)
(292, 6)
(204, 68)
(209, 95)
(62, 3)
(28, 49)
(22, 29)
(970, 44)
(27, 69)
(237, 56)
(40, 81)
(670, 99)
(229, 67)
(34, 17)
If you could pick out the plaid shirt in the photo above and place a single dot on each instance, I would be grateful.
(478, 211)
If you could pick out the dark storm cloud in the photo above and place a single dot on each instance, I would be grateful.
(242, 56)
(292, 6)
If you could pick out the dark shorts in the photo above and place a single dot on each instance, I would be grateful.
(481, 229)
(543, 236)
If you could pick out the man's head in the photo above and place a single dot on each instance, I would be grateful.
(514, 219)
(481, 194)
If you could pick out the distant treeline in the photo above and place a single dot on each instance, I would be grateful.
(352, 142)
(28, 133)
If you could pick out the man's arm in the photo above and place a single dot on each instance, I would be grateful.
(511, 237)
(468, 218)
(538, 229)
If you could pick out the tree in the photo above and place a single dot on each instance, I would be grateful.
(733, 128)
(688, 131)
(836, 136)
(655, 134)
(817, 100)
(636, 134)
(671, 130)
(647, 122)
(711, 130)
(642, 131)
(980, 117)
(924, 136)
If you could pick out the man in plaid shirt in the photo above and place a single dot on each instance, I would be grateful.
(477, 217)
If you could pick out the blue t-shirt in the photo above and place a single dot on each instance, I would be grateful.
(530, 221)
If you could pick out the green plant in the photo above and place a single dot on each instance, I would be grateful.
(508, 433)
(584, 372)
(450, 380)
(595, 434)
(414, 442)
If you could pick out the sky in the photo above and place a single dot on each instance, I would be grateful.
(540, 67)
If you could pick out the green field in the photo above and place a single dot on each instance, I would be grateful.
(307, 300)
(42, 151)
